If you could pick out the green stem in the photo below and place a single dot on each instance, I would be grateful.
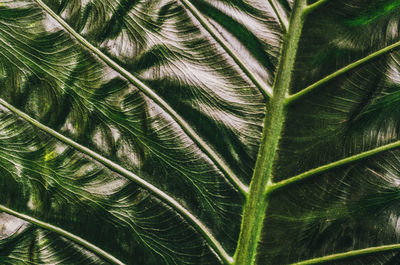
(63, 233)
(256, 203)
(312, 172)
(349, 254)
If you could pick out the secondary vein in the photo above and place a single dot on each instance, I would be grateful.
(314, 6)
(324, 168)
(282, 21)
(349, 254)
(219, 162)
(63, 233)
(340, 72)
(196, 223)
(257, 81)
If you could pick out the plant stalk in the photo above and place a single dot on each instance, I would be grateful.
(257, 201)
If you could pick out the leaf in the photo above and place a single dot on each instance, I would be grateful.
(350, 206)
(162, 199)
(129, 132)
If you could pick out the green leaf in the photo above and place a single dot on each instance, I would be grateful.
(199, 132)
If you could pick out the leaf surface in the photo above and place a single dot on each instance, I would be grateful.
(129, 131)
(352, 205)
(182, 196)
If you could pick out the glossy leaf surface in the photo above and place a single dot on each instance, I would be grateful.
(129, 130)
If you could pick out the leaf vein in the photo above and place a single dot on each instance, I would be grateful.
(63, 233)
(340, 72)
(349, 254)
(282, 21)
(312, 172)
(260, 84)
(233, 179)
(196, 223)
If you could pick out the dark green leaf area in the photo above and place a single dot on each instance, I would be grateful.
(353, 206)
(328, 43)
(338, 116)
(345, 209)
(337, 121)
(373, 11)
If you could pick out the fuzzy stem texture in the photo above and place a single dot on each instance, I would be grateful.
(257, 201)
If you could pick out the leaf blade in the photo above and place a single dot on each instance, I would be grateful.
(87, 109)
(64, 233)
(149, 92)
(202, 229)
(342, 120)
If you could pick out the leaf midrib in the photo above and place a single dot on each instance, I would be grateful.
(138, 83)
(268, 184)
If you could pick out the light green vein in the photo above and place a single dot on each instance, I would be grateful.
(257, 81)
(63, 233)
(340, 72)
(349, 254)
(196, 223)
(282, 21)
(314, 6)
(219, 162)
(321, 169)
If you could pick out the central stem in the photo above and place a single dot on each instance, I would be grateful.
(257, 201)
